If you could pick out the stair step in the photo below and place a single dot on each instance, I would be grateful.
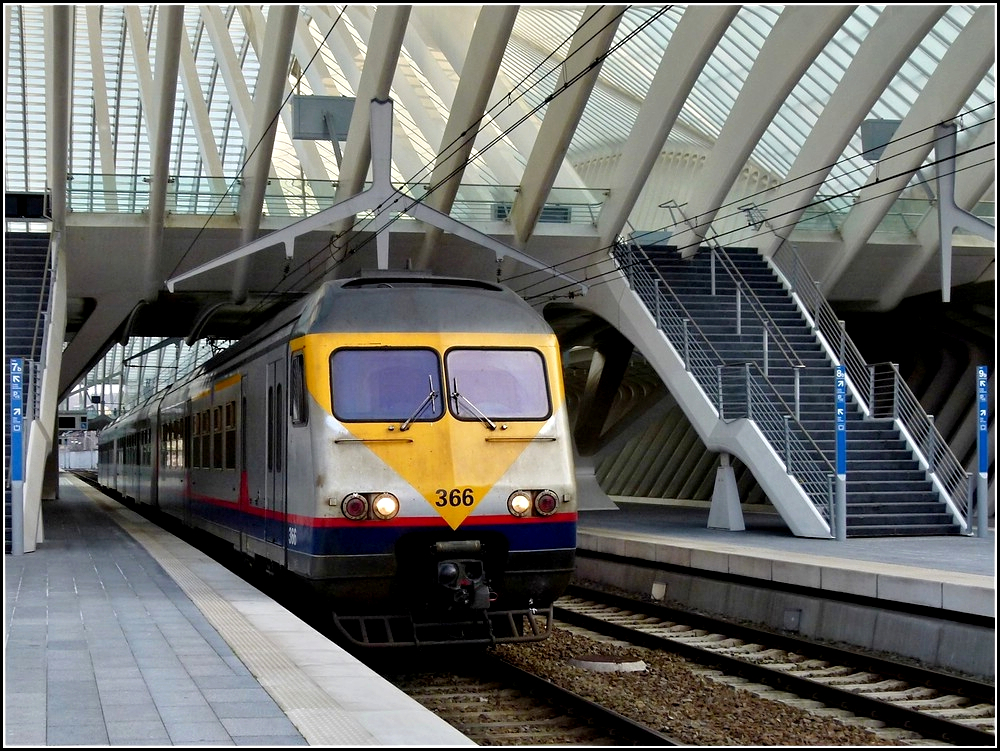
(888, 492)
(901, 530)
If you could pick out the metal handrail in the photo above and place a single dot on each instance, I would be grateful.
(46, 283)
(759, 309)
(804, 460)
(942, 465)
(298, 197)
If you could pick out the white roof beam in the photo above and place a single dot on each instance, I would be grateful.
(268, 96)
(488, 42)
(229, 66)
(896, 33)
(961, 69)
(59, 40)
(342, 45)
(140, 56)
(691, 45)
(103, 137)
(305, 150)
(161, 117)
(407, 91)
(798, 36)
(500, 127)
(591, 42)
(195, 99)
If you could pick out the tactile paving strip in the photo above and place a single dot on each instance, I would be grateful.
(316, 714)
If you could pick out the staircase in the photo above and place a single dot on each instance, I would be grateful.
(769, 364)
(26, 298)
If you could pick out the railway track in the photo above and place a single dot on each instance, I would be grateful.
(496, 704)
(936, 706)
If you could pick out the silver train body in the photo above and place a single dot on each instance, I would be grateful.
(398, 441)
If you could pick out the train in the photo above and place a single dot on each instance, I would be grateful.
(397, 442)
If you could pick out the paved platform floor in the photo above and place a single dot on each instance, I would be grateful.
(117, 633)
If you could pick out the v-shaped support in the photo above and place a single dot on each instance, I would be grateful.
(381, 197)
(951, 216)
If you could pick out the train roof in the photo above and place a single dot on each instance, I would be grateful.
(418, 302)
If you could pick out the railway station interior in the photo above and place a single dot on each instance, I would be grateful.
(174, 175)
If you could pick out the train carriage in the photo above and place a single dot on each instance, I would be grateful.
(398, 440)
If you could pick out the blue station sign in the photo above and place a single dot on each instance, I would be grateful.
(983, 416)
(840, 403)
(17, 419)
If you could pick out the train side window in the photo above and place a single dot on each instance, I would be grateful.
(217, 438)
(206, 439)
(195, 458)
(166, 433)
(243, 433)
(279, 410)
(297, 403)
(147, 447)
(230, 438)
(186, 441)
(270, 428)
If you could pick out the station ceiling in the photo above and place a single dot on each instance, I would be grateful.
(166, 136)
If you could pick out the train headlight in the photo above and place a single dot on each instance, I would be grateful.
(546, 503)
(519, 503)
(385, 505)
(355, 506)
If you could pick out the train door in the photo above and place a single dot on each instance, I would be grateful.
(274, 484)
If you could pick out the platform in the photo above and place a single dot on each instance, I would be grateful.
(118, 633)
(931, 598)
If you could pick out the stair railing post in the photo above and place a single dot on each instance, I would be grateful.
(798, 400)
(871, 390)
(739, 315)
(831, 506)
(788, 445)
(843, 340)
(764, 351)
(659, 325)
(895, 391)
(816, 309)
(718, 371)
(969, 496)
(931, 445)
(746, 370)
(686, 344)
(711, 257)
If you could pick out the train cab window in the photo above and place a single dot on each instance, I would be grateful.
(386, 385)
(507, 384)
(297, 394)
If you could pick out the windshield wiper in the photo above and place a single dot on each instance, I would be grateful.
(475, 410)
(429, 399)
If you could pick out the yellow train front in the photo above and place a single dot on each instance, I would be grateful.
(429, 481)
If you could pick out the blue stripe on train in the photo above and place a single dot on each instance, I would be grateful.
(342, 540)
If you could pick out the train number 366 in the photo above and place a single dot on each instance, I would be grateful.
(455, 497)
